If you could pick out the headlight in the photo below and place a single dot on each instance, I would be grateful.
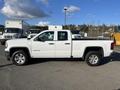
(2, 36)
(14, 36)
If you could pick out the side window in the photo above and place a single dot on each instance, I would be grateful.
(46, 36)
(62, 35)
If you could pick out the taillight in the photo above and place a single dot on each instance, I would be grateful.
(112, 45)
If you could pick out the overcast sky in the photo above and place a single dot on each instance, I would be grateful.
(52, 11)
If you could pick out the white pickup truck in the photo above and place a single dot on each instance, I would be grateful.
(58, 44)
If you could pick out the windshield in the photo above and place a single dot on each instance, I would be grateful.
(12, 30)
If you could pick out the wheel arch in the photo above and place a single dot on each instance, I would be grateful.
(88, 49)
(25, 49)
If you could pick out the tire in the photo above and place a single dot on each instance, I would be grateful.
(19, 58)
(93, 58)
(2, 43)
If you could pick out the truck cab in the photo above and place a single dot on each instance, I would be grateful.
(11, 33)
(14, 29)
(54, 44)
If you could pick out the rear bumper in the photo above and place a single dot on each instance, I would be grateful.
(7, 54)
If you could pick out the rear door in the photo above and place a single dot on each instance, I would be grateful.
(63, 45)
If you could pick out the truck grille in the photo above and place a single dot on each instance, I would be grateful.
(8, 37)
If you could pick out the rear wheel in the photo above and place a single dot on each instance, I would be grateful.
(19, 58)
(93, 58)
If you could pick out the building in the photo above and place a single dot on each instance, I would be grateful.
(55, 27)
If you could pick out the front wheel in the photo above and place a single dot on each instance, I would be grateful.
(2, 42)
(93, 58)
(19, 58)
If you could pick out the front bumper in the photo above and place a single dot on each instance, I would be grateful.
(4, 39)
(7, 54)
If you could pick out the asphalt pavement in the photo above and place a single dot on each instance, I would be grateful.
(56, 74)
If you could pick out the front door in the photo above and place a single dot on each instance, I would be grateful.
(43, 46)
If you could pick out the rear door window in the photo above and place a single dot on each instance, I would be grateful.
(62, 35)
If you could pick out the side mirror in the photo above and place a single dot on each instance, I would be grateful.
(29, 37)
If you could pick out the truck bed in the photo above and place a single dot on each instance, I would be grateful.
(91, 38)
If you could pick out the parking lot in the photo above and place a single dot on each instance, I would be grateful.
(54, 74)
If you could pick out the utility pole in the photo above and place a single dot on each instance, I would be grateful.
(65, 19)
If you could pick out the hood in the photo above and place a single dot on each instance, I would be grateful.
(18, 42)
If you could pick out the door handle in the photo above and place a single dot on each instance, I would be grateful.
(51, 43)
(67, 43)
